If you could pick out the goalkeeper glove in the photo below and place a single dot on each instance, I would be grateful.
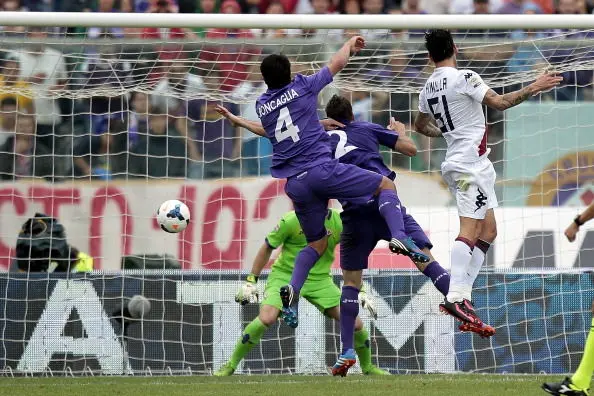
(249, 291)
(367, 303)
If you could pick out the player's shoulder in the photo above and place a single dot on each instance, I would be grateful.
(299, 79)
(289, 222)
(468, 76)
(289, 217)
(365, 126)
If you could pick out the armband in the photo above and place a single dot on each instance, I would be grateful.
(577, 221)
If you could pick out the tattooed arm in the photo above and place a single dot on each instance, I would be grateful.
(425, 125)
(504, 102)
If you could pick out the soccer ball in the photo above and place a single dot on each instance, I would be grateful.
(139, 306)
(173, 216)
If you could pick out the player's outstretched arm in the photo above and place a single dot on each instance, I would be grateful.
(249, 291)
(261, 259)
(579, 220)
(340, 59)
(503, 102)
(404, 145)
(425, 125)
(330, 124)
(236, 121)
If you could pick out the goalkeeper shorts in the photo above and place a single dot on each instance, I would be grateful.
(323, 293)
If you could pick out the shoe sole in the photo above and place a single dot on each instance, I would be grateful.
(459, 317)
(344, 368)
(484, 331)
(398, 247)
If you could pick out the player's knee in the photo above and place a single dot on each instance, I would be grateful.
(352, 278)
(469, 229)
(387, 184)
(358, 324)
(268, 316)
(320, 245)
(488, 232)
(267, 319)
(352, 283)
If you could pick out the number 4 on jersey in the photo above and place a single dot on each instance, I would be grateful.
(285, 128)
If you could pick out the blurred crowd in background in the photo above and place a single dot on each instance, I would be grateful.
(159, 131)
(304, 6)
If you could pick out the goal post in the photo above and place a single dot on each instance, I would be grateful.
(105, 116)
(297, 21)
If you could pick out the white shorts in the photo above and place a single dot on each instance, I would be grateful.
(473, 185)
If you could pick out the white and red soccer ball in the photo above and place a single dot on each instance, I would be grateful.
(173, 216)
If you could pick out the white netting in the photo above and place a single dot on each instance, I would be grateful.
(97, 122)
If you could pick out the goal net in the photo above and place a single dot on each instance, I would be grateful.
(99, 125)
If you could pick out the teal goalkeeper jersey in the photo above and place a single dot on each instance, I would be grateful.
(288, 233)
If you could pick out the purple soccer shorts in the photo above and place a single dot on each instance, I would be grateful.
(363, 228)
(310, 191)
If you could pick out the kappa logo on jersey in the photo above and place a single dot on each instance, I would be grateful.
(472, 79)
(481, 200)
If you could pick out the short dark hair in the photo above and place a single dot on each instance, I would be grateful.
(276, 70)
(439, 44)
(339, 108)
(8, 101)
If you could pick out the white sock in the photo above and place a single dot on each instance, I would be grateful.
(460, 259)
(476, 262)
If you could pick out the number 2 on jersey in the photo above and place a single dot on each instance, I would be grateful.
(435, 101)
(342, 148)
(284, 127)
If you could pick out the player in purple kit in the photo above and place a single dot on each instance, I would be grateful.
(302, 155)
(357, 143)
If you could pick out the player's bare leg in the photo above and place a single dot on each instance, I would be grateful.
(390, 210)
(289, 294)
(250, 338)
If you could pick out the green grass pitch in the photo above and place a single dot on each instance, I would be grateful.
(354, 385)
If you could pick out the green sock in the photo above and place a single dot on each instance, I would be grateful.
(583, 375)
(251, 337)
(363, 348)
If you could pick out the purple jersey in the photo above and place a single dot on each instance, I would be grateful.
(290, 118)
(358, 144)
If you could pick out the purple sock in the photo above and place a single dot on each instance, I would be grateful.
(439, 276)
(349, 309)
(305, 260)
(389, 208)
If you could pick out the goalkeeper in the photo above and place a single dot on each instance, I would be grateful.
(319, 289)
(579, 383)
